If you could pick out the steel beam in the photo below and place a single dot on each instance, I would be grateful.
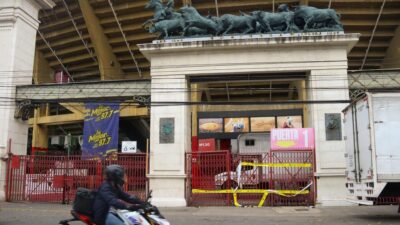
(73, 92)
(109, 65)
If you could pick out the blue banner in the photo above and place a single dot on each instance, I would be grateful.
(100, 130)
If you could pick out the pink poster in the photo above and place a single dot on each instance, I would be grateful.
(292, 139)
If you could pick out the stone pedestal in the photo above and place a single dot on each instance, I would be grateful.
(322, 56)
(18, 26)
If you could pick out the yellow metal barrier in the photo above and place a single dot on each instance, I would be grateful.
(305, 165)
(285, 193)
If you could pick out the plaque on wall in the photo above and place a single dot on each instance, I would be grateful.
(333, 127)
(167, 130)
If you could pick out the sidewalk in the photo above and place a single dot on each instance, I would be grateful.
(50, 214)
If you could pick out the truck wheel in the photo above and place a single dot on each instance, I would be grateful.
(233, 184)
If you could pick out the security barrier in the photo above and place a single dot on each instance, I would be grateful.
(277, 178)
(56, 178)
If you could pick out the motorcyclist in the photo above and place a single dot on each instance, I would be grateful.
(110, 194)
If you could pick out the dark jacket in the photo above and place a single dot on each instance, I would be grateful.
(108, 196)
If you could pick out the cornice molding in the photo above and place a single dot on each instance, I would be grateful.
(10, 15)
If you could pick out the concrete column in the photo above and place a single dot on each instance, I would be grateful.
(18, 26)
(328, 84)
(167, 157)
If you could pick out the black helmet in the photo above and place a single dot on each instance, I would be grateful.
(115, 173)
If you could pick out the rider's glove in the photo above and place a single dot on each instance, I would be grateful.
(147, 207)
(134, 207)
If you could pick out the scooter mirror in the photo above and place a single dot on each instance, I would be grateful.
(149, 195)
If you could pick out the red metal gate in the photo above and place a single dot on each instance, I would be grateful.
(56, 178)
(212, 173)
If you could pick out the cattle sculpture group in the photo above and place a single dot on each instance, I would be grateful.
(189, 22)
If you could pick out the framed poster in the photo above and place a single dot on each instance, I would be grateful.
(210, 125)
(290, 121)
(167, 130)
(262, 124)
(236, 125)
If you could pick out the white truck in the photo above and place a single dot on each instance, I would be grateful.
(372, 134)
(252, 147)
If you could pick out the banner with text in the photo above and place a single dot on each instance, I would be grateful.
(100, 130)
(292, 139)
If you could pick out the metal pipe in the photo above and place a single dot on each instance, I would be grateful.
(273, 6)
(216, 7)
(372, 36)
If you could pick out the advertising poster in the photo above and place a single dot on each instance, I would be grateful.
(210, 125)
(290, 122)
(262, 124)
(292, 139)
(235, 125)
(100, 130)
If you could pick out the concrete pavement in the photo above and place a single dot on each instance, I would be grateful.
(46, 214)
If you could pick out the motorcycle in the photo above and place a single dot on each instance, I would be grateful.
(146, 214)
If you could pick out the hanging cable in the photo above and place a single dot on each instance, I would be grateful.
(330, 4)
(55, 55)
(126, 41)
(372, 35)
(79, 32)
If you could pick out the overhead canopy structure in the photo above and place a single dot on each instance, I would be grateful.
(84, 36)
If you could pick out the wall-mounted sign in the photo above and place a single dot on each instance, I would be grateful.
(290, 122)
(210, 125)
(262, 124)
(167, 130)
(129, 147)
(293, 139)
(333, 127)
(234, 125)
(206, 145)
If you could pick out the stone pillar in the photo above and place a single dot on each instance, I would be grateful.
(18, 26)
(170, 133)
(328, 84)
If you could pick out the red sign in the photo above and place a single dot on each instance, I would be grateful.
(207, 145)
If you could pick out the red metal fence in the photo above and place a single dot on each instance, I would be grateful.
(56, 178)
(212, 171)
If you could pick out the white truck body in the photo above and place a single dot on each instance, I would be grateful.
(372, 134)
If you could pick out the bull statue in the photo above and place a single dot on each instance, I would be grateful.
(161, 12)
(188, 22)
(193, 19)
(309, 18)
